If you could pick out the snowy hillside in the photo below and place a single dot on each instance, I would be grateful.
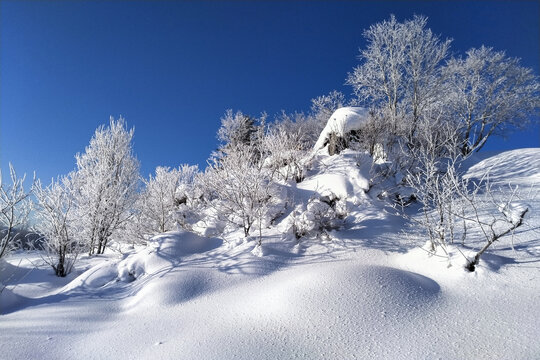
(364, 291)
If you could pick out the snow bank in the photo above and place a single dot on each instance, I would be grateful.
(8, 300)
(164, 252)
(521, 166)
(342, 121)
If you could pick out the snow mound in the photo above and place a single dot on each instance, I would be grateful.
(164, 252)
(521, 166)
(354, 290)
(342, 121)
(345, 175)
(321, 312)
(171, 290)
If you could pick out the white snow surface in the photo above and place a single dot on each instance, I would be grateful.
(367, 293)
(342, 121)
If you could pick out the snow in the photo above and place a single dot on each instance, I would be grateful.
(366, 292)
(342, 121)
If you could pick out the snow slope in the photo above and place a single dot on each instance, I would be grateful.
(367, 293)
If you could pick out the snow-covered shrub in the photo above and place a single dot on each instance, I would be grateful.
(284, 148)
(238, 129)
(454, 208)
(239, 189)
(57, 222)
(487, 213)
(14, 210)
(322, 107)
(320, 215)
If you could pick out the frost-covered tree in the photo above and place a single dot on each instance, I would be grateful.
(433, 174)
(108, 177)
(285, 146)
(14, 210)
(57, 223)
(163, 198)
(238, 129)
(490, 94)
(399, 72)
(239, 189)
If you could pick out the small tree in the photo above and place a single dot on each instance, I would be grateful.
(57, 224)
(448, 198)
(432, 175)
(108, 178)
(14, 210)
(493, 213)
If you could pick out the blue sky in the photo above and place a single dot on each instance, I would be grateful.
(172, 68)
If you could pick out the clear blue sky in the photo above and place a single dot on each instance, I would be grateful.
(172, 68)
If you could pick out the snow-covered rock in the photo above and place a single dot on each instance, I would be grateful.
(342, 121)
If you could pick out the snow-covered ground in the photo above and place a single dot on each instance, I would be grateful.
(365, 292)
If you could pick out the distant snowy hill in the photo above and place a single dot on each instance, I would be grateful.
(364, 292)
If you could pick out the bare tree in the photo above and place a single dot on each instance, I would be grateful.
(453, 206)
(492, 213)
(14, 210)
(432, 174)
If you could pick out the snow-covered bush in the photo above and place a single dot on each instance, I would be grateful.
(238, 129)
(454, 208)
(14, 210)
(239, 189)
(57, 223)
(319, 216)
(487, 212)
(284, 148)
(323, 106)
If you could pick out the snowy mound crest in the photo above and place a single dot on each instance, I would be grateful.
(342, 121)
